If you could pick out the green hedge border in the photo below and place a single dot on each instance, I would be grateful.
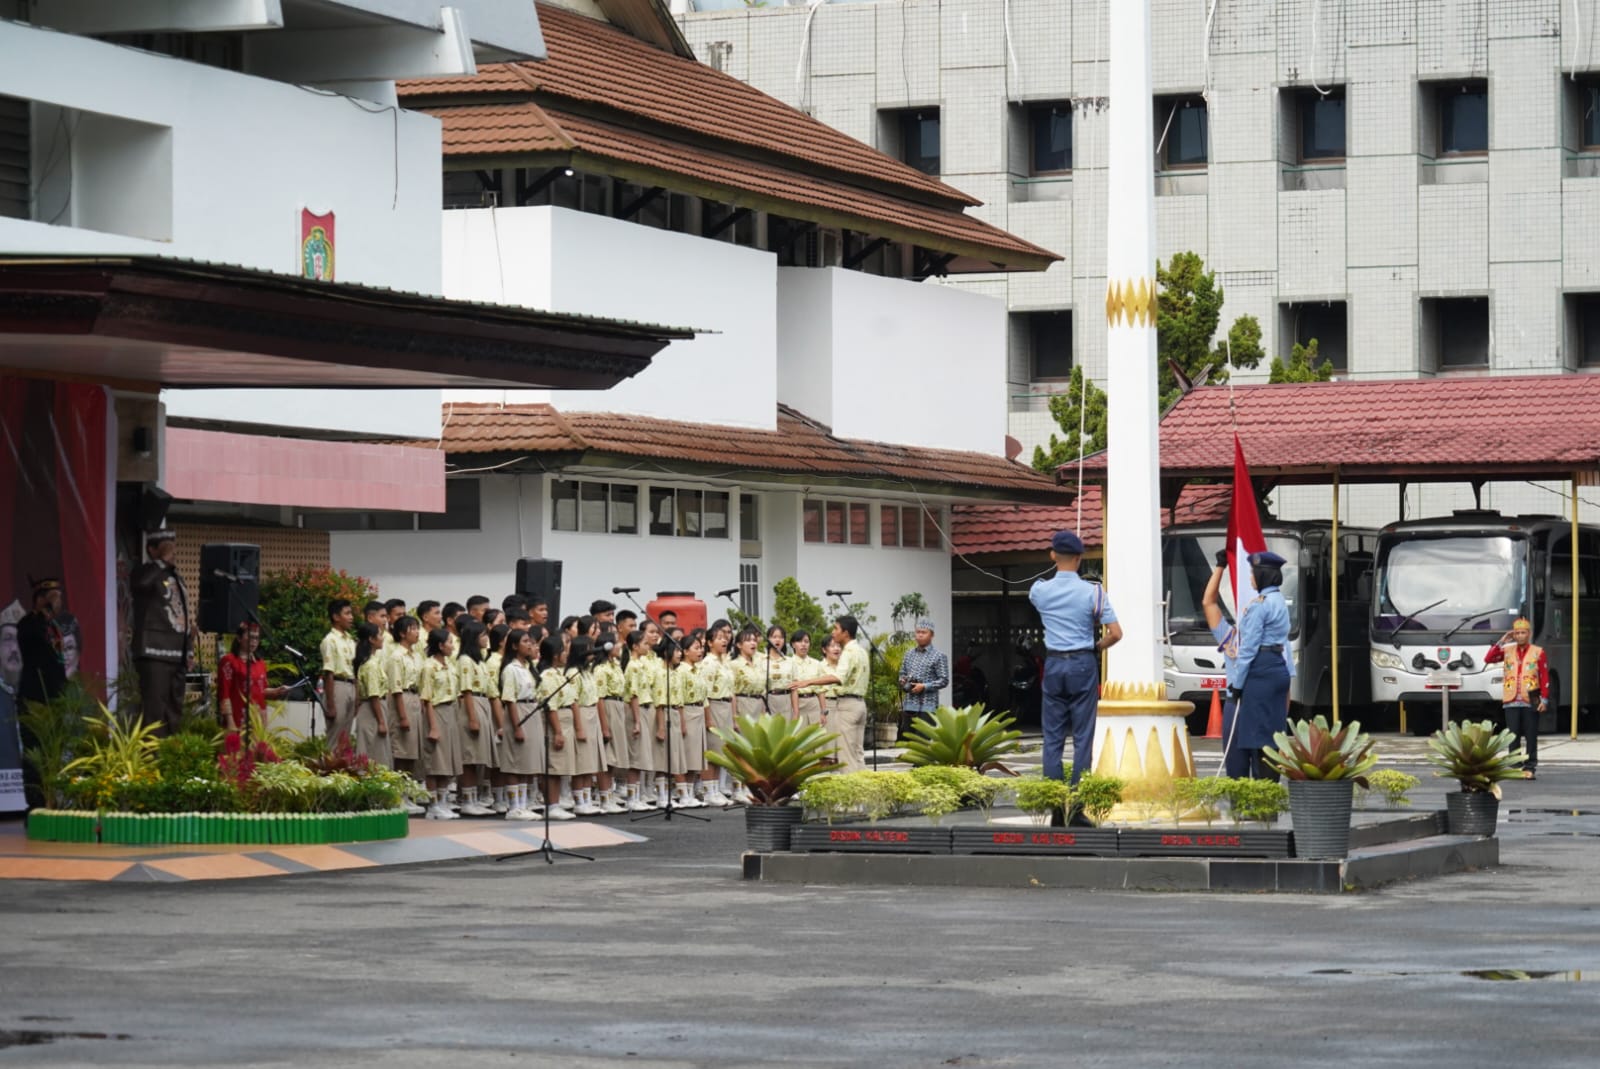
(232, 829)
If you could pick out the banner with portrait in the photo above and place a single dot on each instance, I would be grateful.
(57, 496)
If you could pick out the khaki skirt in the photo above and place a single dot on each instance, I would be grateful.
(368, 741)
(750, 705)
(591, 753)
(686, 738)
(719, 715)
(620, 722)
(811, 708)
(442, 758)
(641, 754)
(405, 745)
(661, 749)
(525, 758)
(475, 749)
(564, 762)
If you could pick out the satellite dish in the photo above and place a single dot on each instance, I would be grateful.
(1013, 448)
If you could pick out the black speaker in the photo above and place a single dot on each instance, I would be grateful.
(535, 575)
(230, 585)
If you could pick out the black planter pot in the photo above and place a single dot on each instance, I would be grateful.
(767, 827)
(1320, 811)
(1471, 813)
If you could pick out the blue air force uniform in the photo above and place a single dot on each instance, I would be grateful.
(1070, 608)
(1258, 674)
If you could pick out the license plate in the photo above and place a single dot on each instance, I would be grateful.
(1214, 683)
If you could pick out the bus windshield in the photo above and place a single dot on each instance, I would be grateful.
(1186, 564)
(1476, 582)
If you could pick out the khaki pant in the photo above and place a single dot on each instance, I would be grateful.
(811, 708)
(341, 710)
(849, 720)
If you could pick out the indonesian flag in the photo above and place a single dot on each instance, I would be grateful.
(1244, 530)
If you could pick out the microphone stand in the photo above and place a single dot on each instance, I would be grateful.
(548, 848)
(872, 650)
(666, 811)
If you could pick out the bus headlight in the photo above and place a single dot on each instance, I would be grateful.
(1167, 661)
(1385, 659)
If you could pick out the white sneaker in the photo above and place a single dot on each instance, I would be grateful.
(474, 809)
(414, 810)
(689, 801)
(516, 814)
(441, 813)
(639, 805)
(718, 799)
(611, 807)
(589, 810)
(502, 806)
(557, 813)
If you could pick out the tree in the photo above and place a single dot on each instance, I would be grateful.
(1068, 408)
(1189, 310)
(1302, 366)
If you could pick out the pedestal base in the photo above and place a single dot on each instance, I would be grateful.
(1143, 740)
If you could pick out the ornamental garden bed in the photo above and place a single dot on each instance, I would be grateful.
(870, 839)
(1207, 842)
(995, 839)
(267, 829)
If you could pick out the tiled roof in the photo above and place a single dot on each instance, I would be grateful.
(980, 529)
(596, 64)
(528, 127)
(1380, 429)
(798, 446)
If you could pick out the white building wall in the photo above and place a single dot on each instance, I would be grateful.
(1393, 228)
(567, 261)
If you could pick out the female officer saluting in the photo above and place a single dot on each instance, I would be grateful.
(1259, 675)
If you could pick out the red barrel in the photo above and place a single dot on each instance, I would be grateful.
(690, 609)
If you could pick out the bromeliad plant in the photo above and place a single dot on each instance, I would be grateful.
(1475, 755)
(968, 737)
(773, 756)
(1311, 750)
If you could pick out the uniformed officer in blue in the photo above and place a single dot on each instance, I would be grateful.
(1071, 608)
(1260, 672)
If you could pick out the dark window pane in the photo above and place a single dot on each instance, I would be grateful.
(1186, 137)
(624, 509)
(688, 514)
(1322, 127)
(910, 526)
(1589, 121)
(1052, 138)
(919, 139)
(859, 518)
(715, 521)
(931, 538)
(1463, 120)
(1589, 329)
(563, 506)
(1327, 324)
(749, 518)
(1051, 336)
(811, 517)
(661, 510)
(889, 525)
(835, 511)
(592, 507)
(1464, 332)
(460, 509)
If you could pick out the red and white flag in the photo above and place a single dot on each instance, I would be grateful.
(1244, 530)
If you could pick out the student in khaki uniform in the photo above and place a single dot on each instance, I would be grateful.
(406, 723)
(686, 734)
(608, 678)
(849, 715)
(594, 755)
(802, 666)
(475, 718)
(669, 707)
(716, 674)
(640, 693)
(338, 652)
(375, 614)
(781, 698)
(436, 687)
(749, 676)
(558, 690)
(372, 684)
(522, 729)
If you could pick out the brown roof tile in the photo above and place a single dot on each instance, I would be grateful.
(797, 446)
(981, 529)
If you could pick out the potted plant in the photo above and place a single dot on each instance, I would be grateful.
(773, 757)
(964, 738)
(1478, 757)
(1323, 766)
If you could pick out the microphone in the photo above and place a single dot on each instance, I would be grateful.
(838, 593)
(624, 590)
(290, 649)
(728, 593)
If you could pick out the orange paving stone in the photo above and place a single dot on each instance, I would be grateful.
(41, 868)
(216, 867)
(326, 858)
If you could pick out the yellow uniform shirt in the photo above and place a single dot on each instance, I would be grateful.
(491, 671)
(779, 674)
(803, 668)
(517, 683)
(686, 681)
(474, 676)
(829, 690)
(372, 681)
(716, 675)
(608, 677)
(640, 679)
(659, 685)
(338, 651)
(555, 688)
(588, 690)
(853, 671)
(749, 677)
(437, 683)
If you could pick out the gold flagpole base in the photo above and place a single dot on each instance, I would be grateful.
(1143, 740)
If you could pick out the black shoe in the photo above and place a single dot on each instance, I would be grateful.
(1058, 819)
(1078, 820)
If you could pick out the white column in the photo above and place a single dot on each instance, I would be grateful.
(1133, 522)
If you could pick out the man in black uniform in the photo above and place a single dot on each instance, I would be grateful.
(162, 635)
(44, 667)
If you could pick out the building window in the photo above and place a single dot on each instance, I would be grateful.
(16, 168)
(624, 509)
(1584, 312)
(838, 523)
(912, 136)
(1182, 132)
(1456, 330)
(1049, 138)
(910, 527)
(661, 500)
(593, 507)
(1587, 94)
(681, 513)
(1463, 118)
(1326, 323)
(750, 588)
(749, 525)
(1049, 346)
(1322, 135)
(714, 514)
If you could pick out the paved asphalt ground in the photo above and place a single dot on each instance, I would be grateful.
(659, 955)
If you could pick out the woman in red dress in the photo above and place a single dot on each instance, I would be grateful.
(232, 675)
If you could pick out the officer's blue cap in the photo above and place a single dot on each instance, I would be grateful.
(1068, 543)
(1267, 557)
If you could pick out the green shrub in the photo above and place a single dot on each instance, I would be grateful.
(937, 800)
(1098, 795)
(774, 756)
(969, 738)
(1204, 796)
(973, 787)
(1036, 795)
(1256, 799)
(186, 756)
(1394, 785)
(294, 609)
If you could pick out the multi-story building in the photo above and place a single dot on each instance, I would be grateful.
(1415, 185)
